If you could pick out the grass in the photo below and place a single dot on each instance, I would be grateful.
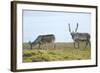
(63, 51)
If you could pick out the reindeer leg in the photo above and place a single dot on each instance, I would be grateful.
(89, 43)
(54, 45)
(46, 46)
(74, 45)
(31, 46)
(39, 46)
(78, 44)
(86, 44)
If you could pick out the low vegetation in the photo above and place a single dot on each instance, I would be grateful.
(63, 51)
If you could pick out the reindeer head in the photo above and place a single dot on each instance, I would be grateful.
(73, 33)
(30, 42)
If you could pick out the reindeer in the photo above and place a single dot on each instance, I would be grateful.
(78, 36)
(44, 39)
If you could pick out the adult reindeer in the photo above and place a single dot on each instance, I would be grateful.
(44, 39)
(78, 36)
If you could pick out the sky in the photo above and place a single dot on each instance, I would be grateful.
(37, 23)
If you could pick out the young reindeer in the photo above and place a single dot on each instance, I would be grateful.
(78, 37)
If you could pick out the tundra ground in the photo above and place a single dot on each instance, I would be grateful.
(62, 51)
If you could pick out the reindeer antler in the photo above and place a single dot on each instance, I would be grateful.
(76, 28)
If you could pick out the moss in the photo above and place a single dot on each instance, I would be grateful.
(27, 53)
(57, 54)
(27, 59)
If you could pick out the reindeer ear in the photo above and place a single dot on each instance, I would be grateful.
(69, 28)
(76, 28)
